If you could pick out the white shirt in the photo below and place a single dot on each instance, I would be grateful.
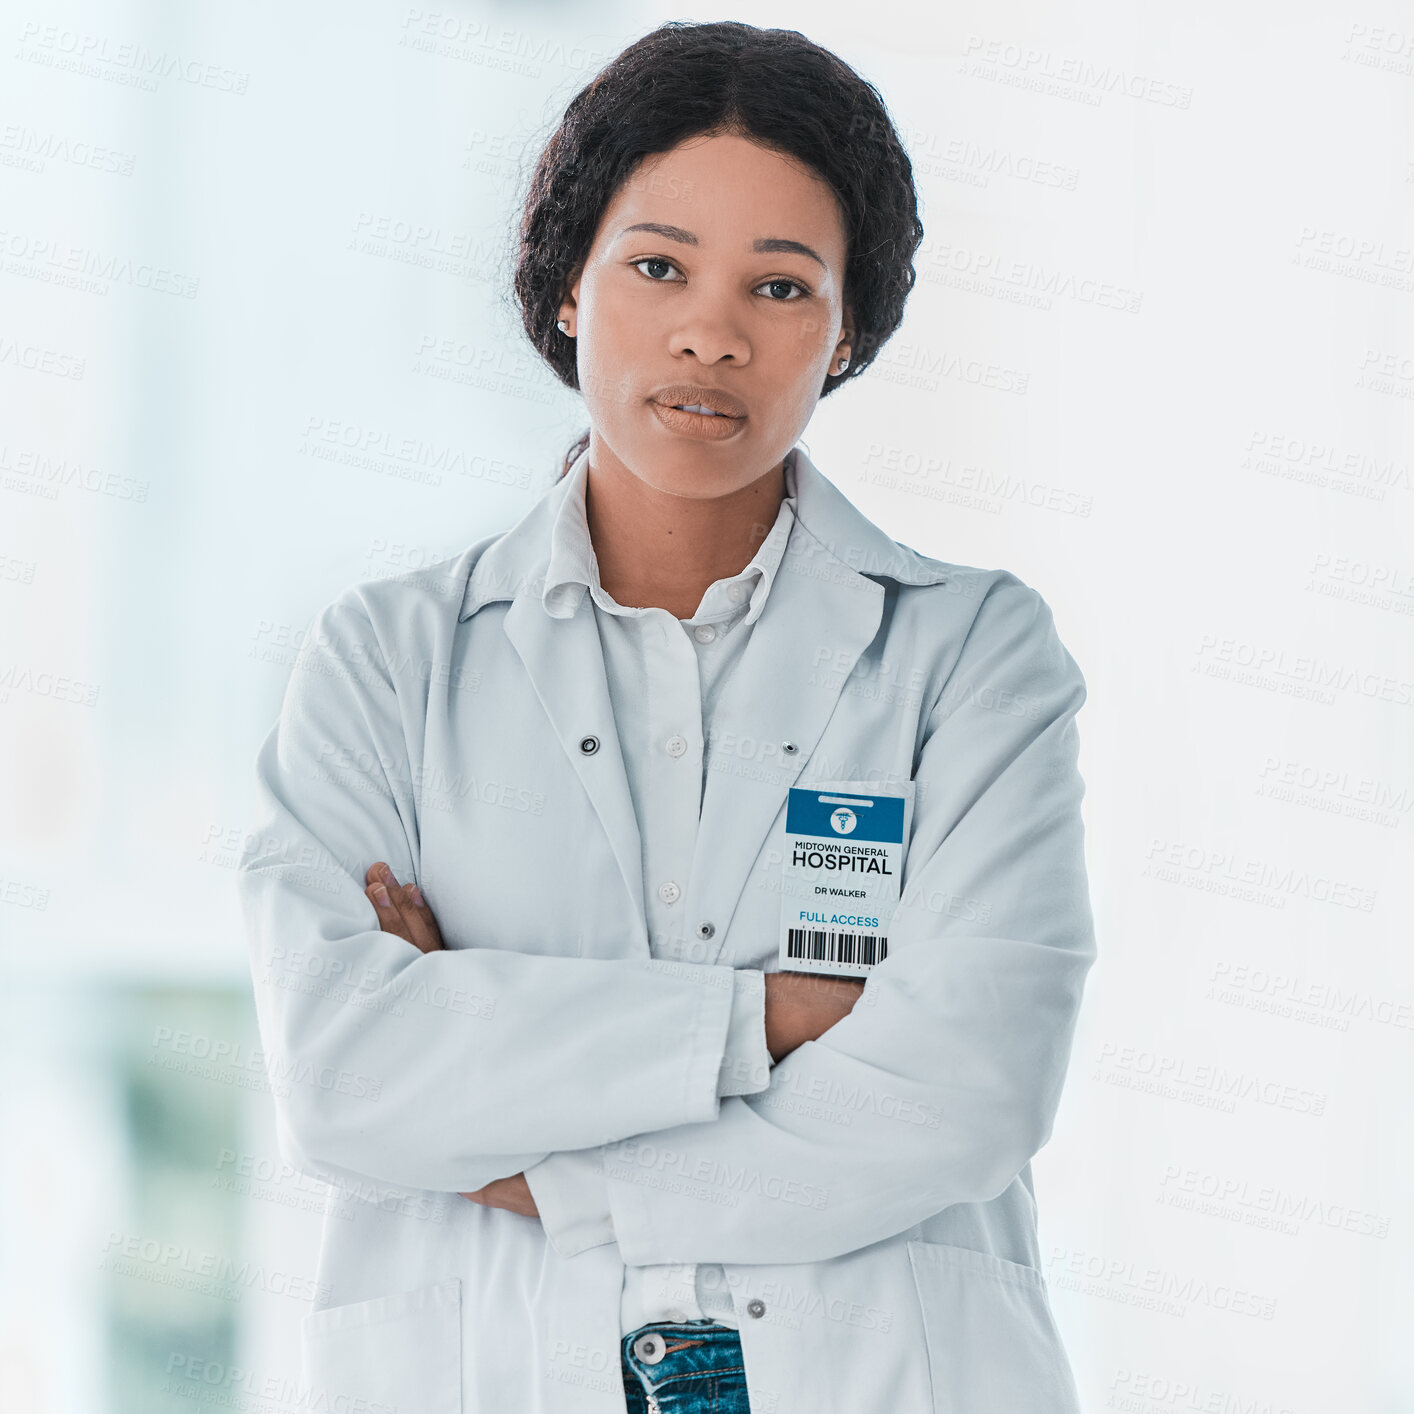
(665, 677)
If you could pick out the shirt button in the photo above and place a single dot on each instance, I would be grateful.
(704, 633)
(679, 1316)
(735, 592)
(755, 1308)
(676, 745)
(669, 892)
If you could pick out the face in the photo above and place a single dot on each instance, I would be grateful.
(716, 276)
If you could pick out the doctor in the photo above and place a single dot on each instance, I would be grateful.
(668, 924)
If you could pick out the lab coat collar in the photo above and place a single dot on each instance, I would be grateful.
(824, 610)
(519, 558)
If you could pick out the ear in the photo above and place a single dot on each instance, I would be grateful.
(569, 305)
(844, 348)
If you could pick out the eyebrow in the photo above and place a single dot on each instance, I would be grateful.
(761, 246)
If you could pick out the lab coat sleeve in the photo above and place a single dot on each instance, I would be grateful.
(572, 1199)
(568, 1187)
(943, 1081)
(444, 1070)
(746, 1066)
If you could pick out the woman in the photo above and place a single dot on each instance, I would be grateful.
(694, 880)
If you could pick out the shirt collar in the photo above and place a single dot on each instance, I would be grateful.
(830, 536)
(573, 570)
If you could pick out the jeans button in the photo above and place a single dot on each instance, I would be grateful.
(649, 1348)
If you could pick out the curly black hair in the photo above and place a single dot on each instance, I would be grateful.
(683, 80)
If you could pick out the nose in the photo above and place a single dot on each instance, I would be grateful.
(709, 334)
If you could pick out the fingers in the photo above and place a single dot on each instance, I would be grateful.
(401, 909)
(425, 932)
(512, 1194)
(382, 892)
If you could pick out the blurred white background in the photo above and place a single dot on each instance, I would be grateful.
(257, 341)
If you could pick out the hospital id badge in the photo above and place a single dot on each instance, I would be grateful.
(840, 870)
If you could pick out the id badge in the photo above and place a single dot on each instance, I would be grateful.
(841, 866)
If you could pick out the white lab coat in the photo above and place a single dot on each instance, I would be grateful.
(873, 1207)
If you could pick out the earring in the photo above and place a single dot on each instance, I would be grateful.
(564, 328)
(844, 363)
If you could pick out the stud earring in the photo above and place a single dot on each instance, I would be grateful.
(844, 363)
(563, 327)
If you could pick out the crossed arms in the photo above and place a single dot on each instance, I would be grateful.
(796, 1008)
(937, 1088)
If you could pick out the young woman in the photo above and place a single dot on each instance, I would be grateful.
(668, 930)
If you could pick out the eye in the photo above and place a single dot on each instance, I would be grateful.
(794, 284)
(802, 292)
(654, 260)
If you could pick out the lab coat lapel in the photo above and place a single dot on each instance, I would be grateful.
(820, 615)
(565, 662)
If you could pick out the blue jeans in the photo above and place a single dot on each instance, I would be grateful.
(694, 1368)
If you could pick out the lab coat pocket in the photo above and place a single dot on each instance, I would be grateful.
(401, 1351)
(993, 1346)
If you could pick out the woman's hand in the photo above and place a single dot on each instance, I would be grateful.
(802, 1006)
(401, 909)
(511, 1193)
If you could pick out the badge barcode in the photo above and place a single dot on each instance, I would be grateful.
(824, 945)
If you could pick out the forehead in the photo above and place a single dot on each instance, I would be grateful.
(727, 192)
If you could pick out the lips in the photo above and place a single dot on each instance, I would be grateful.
(693, 397)
(699, 427)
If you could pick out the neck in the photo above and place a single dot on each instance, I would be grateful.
(657, 550)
